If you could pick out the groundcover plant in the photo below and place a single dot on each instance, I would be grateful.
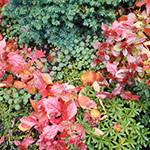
(101, 113)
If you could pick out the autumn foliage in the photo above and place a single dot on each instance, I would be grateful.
(124, 55)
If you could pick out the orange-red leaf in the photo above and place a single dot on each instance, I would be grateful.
(31, 89)
(116, 127)
(9, 78)
(89, 77)
(2, 139)
(19, 84)
(33, 104)
(50, 57)
(25, 75)
(84, 101)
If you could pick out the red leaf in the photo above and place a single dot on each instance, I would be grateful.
(50, 132)
(44, 92)
(128, 95)
(2, 139)
(38, 54)
(19, 84)
(122, 18)
(112, 68)
(15, 59)
(51, 105)
(9, 78)
(24, 144)
(39, 82)
(29, 121)
(71, 110)
(117, 90)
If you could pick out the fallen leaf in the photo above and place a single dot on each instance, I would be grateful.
(2, 139)
(98, 132)
(89, 77)
(50, 58)
(96, 86)
(33, 104)
(19, 84)
(39, 64)
(24, 127)
(95, 113)
(84, 101)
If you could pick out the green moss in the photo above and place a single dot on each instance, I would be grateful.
(9, 121)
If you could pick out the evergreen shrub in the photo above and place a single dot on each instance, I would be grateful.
(57, 22)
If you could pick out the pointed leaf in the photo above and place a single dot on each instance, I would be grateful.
(15, 59)
(39, 82)
(112, 68)
(98, 132)
(33, 104)
(71, 110)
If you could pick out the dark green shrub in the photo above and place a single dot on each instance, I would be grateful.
(144, 91)
(57, 21)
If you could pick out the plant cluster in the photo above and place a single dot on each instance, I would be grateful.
(77, 57)
(124, 55)
(62, 26)
(57, 22)
(69, 117)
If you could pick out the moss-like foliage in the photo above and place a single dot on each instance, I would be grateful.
(9, 121)
(133, 135)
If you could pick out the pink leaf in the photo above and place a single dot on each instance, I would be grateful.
(15, 59)
(96, 45)
(27, 141)
(39, 82)
(57, 89)
(139, 3)
(131, 59)
(29, 121)
(102, 95)
(148, 7)
(24, 144)
(117, 90)
(2, 139)
(51, 104)
(50, 132)
(2, 45)
(38, 54)
(71, 110)
(112, 68)
(104, 26)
